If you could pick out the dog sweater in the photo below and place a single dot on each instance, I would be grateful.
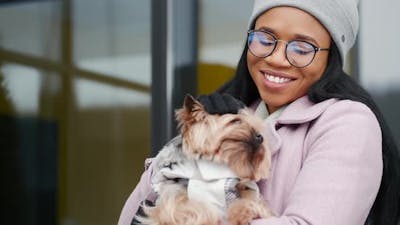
(206, 181)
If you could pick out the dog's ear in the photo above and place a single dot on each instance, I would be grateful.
(191, 112)
(192, 105)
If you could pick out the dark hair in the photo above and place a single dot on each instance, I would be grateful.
(335, 83)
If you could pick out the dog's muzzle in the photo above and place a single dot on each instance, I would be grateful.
(256, 141)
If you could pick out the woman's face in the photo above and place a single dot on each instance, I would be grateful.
(287, 23)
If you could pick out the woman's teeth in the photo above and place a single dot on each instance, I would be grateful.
(278, 80)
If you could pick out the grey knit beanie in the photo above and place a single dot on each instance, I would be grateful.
(340, 17)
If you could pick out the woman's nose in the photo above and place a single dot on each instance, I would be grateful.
(278, 56)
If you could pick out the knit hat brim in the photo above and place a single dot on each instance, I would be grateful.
(339, 17)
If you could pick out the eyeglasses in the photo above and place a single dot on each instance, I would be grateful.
(299, 53)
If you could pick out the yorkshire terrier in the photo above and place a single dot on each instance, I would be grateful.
(215, 155)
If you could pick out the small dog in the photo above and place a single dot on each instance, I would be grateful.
(213, 151)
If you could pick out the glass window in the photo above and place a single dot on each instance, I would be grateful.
(89, 94)
(73, 136)
(108, 141)
(222, 37)
(114, 38)
(29, 143)
(32, 28)
(22, 85)
(379, 48)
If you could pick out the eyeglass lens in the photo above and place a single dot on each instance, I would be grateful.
(298, 53)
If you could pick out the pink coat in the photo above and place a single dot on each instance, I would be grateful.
(326, 165)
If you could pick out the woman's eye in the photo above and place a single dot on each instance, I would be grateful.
(302, 51)
(267, 42)
(300, 48)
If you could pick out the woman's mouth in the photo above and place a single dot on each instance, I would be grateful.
(276, 79)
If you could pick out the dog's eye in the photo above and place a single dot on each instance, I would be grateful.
(236, 121)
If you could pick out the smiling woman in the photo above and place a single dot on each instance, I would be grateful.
(291, 74)
(323, 99)
(277, 80)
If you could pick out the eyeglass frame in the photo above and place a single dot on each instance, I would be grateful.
(276, 40)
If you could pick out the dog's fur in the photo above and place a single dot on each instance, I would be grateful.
(230, 139)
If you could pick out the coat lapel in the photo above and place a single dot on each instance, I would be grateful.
(303, 110)
(300, 111)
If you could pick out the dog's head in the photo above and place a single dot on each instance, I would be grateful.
(232, 139)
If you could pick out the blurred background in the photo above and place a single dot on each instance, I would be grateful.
(88, 89)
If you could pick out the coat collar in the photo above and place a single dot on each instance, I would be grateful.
(303, 110)
(300, 111)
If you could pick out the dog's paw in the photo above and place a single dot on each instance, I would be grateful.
(243, 211)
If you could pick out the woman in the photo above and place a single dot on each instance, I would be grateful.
(333, 158)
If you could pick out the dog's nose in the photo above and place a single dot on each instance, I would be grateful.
(259, 138)
(257, 141)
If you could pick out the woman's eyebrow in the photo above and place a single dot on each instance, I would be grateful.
(306, 38)
(266, 29)
(297, 36)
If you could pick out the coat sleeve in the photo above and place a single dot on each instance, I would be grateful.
(141, 192)
(341, 171)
